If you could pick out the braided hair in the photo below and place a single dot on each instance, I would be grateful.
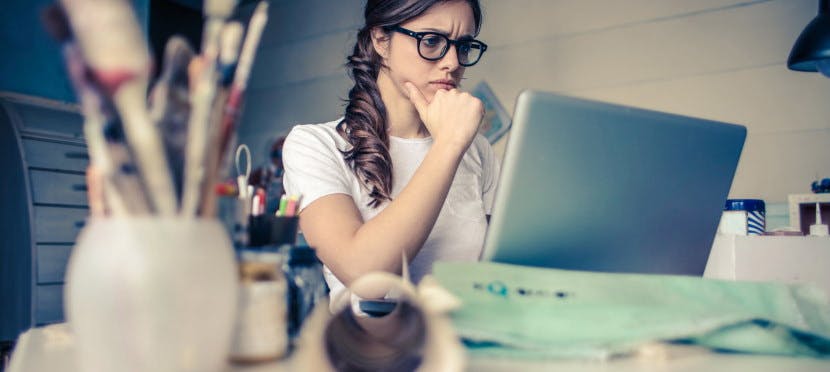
(364, 124)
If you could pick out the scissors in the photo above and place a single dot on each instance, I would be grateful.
(242, 178)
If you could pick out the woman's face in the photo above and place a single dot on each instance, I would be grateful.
(453, 19)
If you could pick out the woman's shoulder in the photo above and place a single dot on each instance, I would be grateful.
(319, 129)
(480, 141)
(324, 133)
(481, 146)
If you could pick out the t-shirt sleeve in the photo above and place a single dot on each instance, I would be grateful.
(490, 176)
(313, 165)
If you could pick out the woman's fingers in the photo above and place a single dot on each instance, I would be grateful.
(417, 98)
(451, 116)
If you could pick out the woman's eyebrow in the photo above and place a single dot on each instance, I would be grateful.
(446, 33)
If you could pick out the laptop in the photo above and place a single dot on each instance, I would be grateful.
(593, 186)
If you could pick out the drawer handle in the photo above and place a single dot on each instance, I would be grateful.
(77, 155)
(80, 224)
(79, 187)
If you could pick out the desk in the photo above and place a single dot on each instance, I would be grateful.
(51, 349)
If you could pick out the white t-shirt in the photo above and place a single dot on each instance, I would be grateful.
(314, 167)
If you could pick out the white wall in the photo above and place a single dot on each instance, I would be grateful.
(298, 75)
(716, 59)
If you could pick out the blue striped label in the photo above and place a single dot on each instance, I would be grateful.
(755, 223)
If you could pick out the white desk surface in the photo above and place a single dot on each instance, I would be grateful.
(51, 349)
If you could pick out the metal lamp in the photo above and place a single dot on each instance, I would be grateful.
(811, 51)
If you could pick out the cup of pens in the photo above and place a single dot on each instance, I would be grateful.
(151, 284)
(272, 230)
(275, 229)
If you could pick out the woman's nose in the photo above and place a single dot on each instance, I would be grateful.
(450, 60)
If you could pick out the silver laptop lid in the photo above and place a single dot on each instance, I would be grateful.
(593, 186)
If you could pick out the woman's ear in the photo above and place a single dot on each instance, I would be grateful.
(380, 41)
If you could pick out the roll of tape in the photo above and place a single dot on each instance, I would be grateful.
(416, 335)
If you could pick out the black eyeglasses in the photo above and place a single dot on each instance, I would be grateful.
(433, 46)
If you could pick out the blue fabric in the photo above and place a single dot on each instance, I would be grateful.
(528, 312)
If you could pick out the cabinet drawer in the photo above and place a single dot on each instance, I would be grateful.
(51, 263)
(58, 188)
(52, 120)
(53, 155)
(58, 225)
(49, 304)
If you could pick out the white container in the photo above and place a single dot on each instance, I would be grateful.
(786, 259)
(152, 294)
(261, 331)
(743, 217)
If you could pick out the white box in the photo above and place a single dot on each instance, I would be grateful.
(788, 259)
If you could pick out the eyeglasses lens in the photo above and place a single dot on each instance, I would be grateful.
(435, 46)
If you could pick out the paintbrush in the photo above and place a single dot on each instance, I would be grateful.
(202, 98)
(252, 37)
(231, 39)
(170, 105)
(97, 112)
(230, 42)
(114, 47)
(240, 79)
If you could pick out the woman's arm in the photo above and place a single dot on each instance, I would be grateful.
(351, 247)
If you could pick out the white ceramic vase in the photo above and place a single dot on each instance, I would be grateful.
(152, 294)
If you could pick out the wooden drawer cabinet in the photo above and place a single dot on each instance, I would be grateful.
(44, 204)
(51, 262)
(58, 225)
(64, 122)
(49, 304)
(50, 155)
(58, 188)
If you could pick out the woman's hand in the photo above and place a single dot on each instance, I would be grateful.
(452, 117)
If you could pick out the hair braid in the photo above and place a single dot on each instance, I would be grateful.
(364, 125)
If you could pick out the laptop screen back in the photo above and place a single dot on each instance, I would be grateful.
(593, 186)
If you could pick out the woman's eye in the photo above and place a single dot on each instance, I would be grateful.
(432, 40)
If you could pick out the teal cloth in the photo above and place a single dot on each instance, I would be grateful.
(526, 312)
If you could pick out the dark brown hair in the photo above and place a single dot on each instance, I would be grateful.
(364, 124)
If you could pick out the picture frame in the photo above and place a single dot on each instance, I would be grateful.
(496, 121)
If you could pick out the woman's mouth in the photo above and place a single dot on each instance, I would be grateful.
(443, 84)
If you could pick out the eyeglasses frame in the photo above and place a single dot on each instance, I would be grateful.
(450, 42)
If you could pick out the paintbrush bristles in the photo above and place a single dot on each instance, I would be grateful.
(216, 12)
(219, 8)
(246, 57)
(177, 56)
(230, 41)
(109, 34)
(177, 52)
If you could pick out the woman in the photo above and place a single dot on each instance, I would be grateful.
(404, 170)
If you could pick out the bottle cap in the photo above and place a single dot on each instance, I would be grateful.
(749, 205)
